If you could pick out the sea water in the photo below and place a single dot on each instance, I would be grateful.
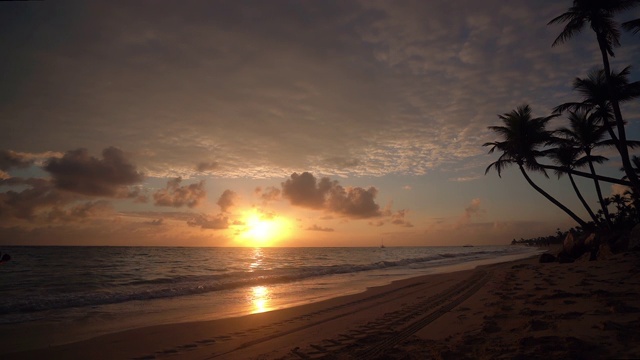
(115, 288)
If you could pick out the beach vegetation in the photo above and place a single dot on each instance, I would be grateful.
(600, 16)
(584, 134)
(592, 123)
(565, 156)
(523, 140)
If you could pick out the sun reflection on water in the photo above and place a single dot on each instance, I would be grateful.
(260, 299)
(257, 263)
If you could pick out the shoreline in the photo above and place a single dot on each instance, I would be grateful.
(59, 327)
(94, 322)
(518, 308)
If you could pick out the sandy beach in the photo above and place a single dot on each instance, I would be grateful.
(520, 309)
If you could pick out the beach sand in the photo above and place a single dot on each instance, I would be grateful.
(520, 309)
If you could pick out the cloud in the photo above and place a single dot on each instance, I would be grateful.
(399, 218)
(315, 227)
(304, 190)
(217, 222)
(207, 166)
(11, 160)
(89, 209)
(466, 178)
(81, 173)
(267, 215)
(156, 222)
(136, 193)
(617, 189)
(340, 162)
(39, 197)
(268, 194)
(227, 200)
(385, 88)
(353, 202)
(473, 210)
(175, 195)
(41, 202)
(155, 215)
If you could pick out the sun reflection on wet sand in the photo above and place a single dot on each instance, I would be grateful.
(260, 299)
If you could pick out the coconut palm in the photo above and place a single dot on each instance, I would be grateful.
(523, 140)
(585, 134)
(599, 14)
(566, 157)
(620, 202)
(595, 96)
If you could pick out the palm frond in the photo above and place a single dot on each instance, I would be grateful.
(633, 26)
(499, 165)
(575, 106)
(633, 143)
(522, 139)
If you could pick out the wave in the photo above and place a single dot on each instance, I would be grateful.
(185, 285)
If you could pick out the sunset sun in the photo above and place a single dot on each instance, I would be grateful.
(263, 230)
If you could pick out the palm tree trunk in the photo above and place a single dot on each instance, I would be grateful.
(605, 211)
(612, 134)
(584, 203)
(552, 199)
(586, 175)
(622, 137)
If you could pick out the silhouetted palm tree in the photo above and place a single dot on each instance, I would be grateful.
(599, 14)
(595, 96)
(636, 163)
(585, 134)
(620, 202)
(523, 140)
(566, 157)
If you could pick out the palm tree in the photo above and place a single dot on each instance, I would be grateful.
(585, 134)
(566, 157)
(523, 137)
(620, 202)
(599, 14)
(595, 96)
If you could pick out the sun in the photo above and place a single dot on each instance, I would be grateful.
(263, 230)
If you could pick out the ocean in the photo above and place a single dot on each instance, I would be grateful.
(107, 289)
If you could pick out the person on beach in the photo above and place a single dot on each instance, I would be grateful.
(4, 258)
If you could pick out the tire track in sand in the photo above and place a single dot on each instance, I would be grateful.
(368, 302)
(371, 340)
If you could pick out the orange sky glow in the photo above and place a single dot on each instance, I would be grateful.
(255, 124)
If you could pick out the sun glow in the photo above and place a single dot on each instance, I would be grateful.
(263, 230)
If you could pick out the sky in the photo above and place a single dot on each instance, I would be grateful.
(281, 123)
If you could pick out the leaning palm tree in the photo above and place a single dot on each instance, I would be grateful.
(566, 156)
(585, 134)
(600, 16)
(523, 140)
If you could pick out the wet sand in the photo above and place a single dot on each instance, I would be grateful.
(519, 309)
